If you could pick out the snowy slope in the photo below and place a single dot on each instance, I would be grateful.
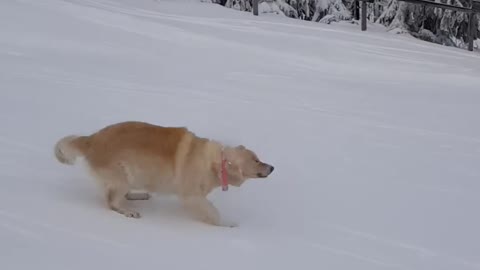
(375, 138)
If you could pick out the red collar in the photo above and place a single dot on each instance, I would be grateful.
(223, 173)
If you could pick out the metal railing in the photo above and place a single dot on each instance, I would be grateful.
(471, 10)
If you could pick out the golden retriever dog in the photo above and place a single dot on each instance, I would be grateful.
(165, 160)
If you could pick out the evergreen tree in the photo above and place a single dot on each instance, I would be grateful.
(445, 27)
(432, 24)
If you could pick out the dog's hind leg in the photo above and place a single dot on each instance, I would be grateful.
(138, 196)
(115, 197)
(114, 181)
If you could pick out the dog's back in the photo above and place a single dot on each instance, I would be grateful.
(128, 139)
(121, 140)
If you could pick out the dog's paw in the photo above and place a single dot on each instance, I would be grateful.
(228, 224)
(132, 214)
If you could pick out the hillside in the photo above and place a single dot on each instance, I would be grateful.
(374, 138)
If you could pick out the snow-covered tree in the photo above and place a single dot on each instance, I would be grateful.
(330, 10)
(432, 24)
(316, 10)
(445, 27)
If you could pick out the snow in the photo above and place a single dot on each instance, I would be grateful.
(374, 137)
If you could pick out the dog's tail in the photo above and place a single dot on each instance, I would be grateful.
(69, 148)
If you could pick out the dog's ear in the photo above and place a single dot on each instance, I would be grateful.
(240, 147)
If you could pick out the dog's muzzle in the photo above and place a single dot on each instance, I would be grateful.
(268, 171)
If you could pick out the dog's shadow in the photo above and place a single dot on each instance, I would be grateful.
(159, 207)
(157, 210)
(77, 190)
(89, 195)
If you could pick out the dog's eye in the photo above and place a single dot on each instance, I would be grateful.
(257, 161)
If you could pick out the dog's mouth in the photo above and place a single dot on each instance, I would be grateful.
(263, 175)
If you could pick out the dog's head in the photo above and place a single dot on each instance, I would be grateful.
(244, 164)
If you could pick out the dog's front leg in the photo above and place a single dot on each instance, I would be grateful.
(201, 208)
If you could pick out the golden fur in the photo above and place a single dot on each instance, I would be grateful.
(165, 160)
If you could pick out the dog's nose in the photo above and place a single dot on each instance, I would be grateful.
(271, 169)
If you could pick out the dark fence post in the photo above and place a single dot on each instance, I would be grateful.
(471, 30)
(471, 26)
(356, 10)
(364, 15)
(255, 7)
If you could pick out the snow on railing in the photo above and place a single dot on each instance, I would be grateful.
(472, 10)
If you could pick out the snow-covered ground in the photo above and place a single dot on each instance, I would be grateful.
(375, 138)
